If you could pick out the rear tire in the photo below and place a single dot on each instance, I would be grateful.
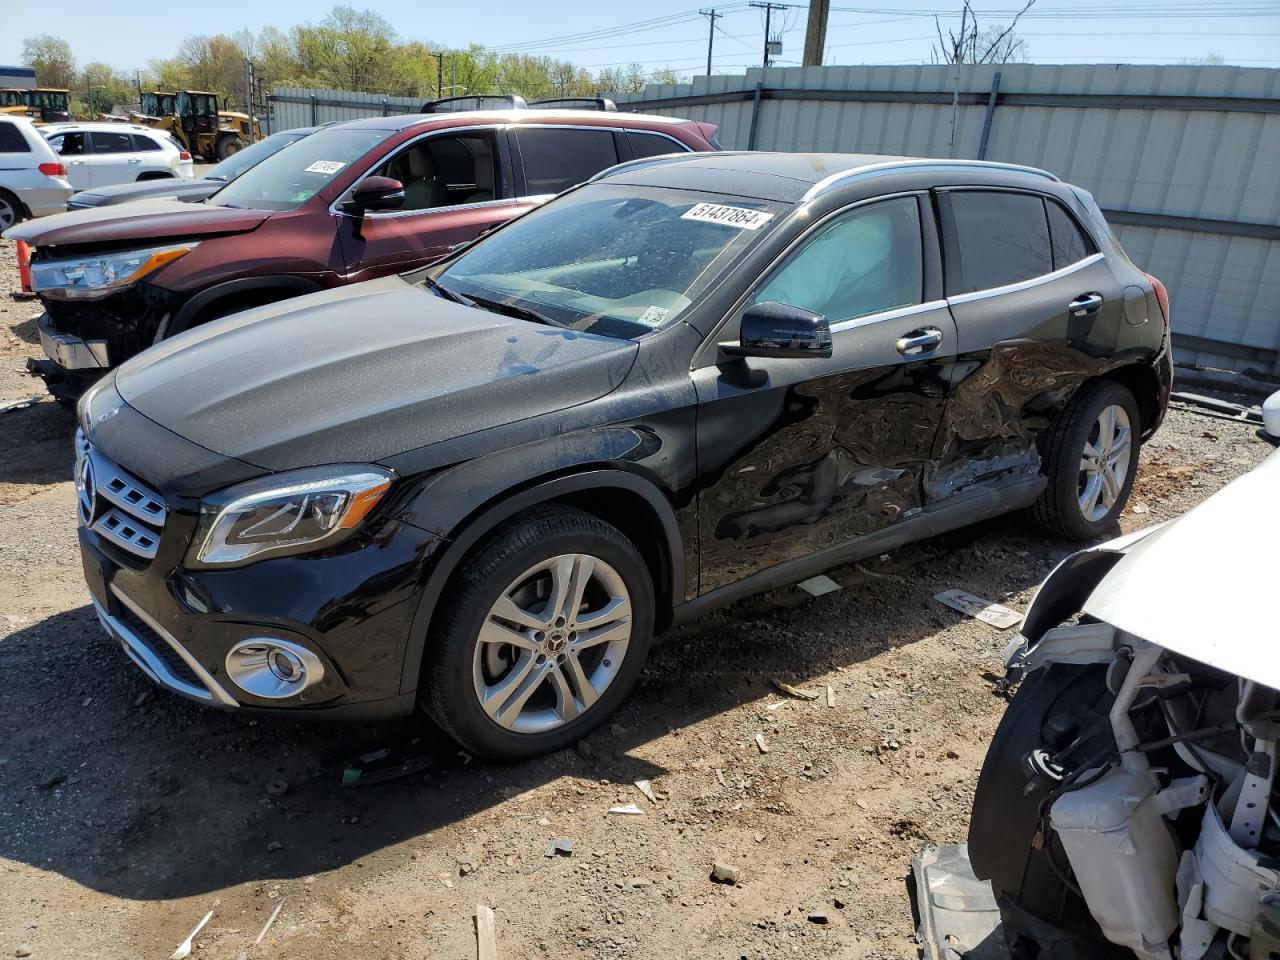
(228, 146)
(11, 210)
(1090, 457)
(514, 672)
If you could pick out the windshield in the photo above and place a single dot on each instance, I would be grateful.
(291, 177)
(236, 164)
(611, 260)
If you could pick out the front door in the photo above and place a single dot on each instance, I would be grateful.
(811, 454)
(113, 159)
(456, 185)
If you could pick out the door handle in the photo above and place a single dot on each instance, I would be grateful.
(1086, 305)
(135, 160)
(920, 341)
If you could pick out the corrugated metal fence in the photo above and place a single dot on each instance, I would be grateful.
(1184, 159)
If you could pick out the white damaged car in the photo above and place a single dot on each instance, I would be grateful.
(1128, 805)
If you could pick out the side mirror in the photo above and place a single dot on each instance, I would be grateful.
(780, 330)
(375, 193)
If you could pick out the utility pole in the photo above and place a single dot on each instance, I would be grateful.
(768, 9)
(439, 75)
(815, 35)
(712, 16)
(248, 95)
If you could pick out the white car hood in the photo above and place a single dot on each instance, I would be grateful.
(1207, 585)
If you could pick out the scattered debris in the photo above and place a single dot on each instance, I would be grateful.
(19, 404)
(720, 777)
(819, 917)
(617, 729)
(486, 933)
(759, 837)
(466, 864)
(776, 706)
(446, 879)
(584, 749)
(764, 747)
(831, 696)
(57, 780)
(862, 804)
(24, 950)
(393, 762)
(980, 609)
(559, 846)
(627, 810)
(958, 912)
(270, 920)
(725, 873)
(838, 903)
(796, 692)
(274, 845)
(183, 950)
(647, 789)
(818, 586)
(1141, 508)
(277, 788)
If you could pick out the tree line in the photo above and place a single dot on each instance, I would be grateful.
(349, 49)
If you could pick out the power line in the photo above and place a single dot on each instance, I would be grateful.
(712, 17)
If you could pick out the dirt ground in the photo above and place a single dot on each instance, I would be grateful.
(126, 813)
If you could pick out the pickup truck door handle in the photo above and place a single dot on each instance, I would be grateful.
(1085, 305)
(920, 341)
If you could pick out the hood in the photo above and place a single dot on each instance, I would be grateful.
(362, 373)
(189, 191)
(142, 221)
(1201, 585)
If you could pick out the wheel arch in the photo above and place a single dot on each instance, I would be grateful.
(191, 312)
(1141, 381)
(629, 501)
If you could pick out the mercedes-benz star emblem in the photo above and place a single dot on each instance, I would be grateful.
(108, 415)
(87, 490)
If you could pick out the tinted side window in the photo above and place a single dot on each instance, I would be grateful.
(111, 142)
(12, 140)
(864, 262)
(999, 238)
(1070, 245)
(143, 143)
(555, 160)
(652, 144)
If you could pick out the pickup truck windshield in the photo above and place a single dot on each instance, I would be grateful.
(291, 177)
(611, 260)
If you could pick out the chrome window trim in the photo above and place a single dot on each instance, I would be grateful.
(920, 164)
(1026, 284)
(387, 155)
(895, 313)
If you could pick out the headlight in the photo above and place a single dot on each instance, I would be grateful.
(102, 274)
(287, 513)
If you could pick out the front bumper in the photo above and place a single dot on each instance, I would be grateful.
(71, 352)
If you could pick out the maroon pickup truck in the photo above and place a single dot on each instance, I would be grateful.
(351, 202)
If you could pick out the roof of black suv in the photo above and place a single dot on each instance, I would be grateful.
(498, 117)
(787, 177)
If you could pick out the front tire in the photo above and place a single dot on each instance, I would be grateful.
(227, 146)
(544, 630)
(1090, 457)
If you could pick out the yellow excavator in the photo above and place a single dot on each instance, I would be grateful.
(42, 105)
(193, 118)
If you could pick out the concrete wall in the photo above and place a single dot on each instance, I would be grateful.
(1185, 159)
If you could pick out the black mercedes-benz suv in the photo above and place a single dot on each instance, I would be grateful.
(483, 486)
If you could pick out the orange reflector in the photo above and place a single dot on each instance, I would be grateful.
(362, 504)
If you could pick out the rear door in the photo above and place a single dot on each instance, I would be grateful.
(1036, 309)
(457, 184)
(113, 158)
(553, 158)
(806, 455)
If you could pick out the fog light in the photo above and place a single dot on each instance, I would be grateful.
(273, 669)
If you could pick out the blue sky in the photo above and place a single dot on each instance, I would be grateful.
(860, 31)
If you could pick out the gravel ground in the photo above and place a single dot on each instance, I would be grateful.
(126, 814)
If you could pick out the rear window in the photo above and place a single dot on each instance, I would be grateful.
(142, 143)
(12, 140)
(557, 159)
(997, 239)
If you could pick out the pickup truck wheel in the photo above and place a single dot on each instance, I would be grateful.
(1090, 456)
(545, 629)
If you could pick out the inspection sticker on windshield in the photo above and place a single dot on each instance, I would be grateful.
(739, 217)
(327, 167)
(653, 316)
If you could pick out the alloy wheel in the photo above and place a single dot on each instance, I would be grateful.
(552, 643)
(8, 214)
(1104, 463)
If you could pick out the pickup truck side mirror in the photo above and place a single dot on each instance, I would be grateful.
(375, 193)
(774, 329)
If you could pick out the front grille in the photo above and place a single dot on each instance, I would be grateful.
(116, 505)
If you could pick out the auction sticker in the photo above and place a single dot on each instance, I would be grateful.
(327, 167)
(740, 217)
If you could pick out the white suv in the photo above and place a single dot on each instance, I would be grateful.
(103, 154)
(33, 181)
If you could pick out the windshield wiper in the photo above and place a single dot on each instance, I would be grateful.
(445, 292)
(513, 310)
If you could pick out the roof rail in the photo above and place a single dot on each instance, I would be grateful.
(577, 103)
(477, 101)
(870, 170)
(661, 158)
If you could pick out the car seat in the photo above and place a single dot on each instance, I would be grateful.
(417, 171)
(484, 178)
